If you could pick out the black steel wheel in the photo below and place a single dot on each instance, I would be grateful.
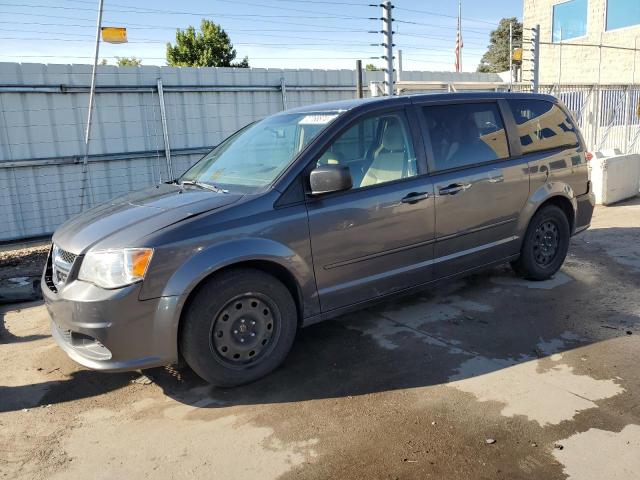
(545, 244)
(245, 329)
(239, 326)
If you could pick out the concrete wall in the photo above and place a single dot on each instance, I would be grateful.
(583, 64)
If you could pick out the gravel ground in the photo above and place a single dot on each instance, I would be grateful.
(492, 377)
(23, 262)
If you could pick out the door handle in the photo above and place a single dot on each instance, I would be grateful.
(496, 176)
(454, 188)
(415, 197)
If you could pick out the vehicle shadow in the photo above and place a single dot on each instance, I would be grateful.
(7, 337)
(490, 321)
(81, 384)
(418, 341)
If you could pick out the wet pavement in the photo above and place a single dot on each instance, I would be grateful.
(489, 377)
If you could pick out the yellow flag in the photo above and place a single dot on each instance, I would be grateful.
(517, 54)
(114, 34)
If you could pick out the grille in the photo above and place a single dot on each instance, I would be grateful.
(61, 264)
(66, 257)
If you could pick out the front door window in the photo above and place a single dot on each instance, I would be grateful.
(377, 150)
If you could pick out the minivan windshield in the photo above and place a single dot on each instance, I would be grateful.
(254, 156)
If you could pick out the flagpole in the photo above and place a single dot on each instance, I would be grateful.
(92, 92)
(460, 34)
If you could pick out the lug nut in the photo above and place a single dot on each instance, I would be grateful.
(253, 334)
(235, 331)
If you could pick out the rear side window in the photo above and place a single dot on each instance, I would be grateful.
(465, 134)
(542, 125)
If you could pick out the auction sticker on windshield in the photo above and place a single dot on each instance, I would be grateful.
(317, 119)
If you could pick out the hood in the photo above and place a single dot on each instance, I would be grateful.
(135, 215)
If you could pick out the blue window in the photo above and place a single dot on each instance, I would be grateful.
(570, 20)
(622, 13)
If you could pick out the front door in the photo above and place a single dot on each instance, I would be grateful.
(376, 238)
(479, 190)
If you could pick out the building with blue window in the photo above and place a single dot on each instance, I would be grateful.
(571, 35)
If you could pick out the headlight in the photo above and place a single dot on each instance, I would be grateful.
(115, 268)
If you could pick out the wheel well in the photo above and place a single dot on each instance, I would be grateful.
(565, 205)
(272, 268)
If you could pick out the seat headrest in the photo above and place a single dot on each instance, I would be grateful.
(329, 158)
(392, 138)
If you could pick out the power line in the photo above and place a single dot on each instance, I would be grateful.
(436, 14)
(149, 40)
(164, 58)
(176, 28)
(128, 9)
(126, 23)
(240, 2)
(408, 22)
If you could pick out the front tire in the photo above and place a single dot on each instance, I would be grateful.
(239, 327)
(545, 244)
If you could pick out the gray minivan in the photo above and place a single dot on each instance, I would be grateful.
(308, 214)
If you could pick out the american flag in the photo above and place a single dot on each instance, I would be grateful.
(459, 43)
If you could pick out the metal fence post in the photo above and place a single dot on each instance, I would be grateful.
(165, 130)
(387, 42)
(628, 117)
(358, 78)
(535, 60)
(283, 93)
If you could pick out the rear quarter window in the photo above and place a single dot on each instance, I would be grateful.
(543, 125)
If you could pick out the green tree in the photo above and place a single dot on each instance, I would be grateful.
(496, 59)
(209, 47)
(128, 61)
(370, 67)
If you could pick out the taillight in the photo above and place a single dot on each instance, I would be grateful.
(588, 156)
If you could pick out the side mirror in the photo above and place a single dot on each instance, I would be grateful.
(330, 178)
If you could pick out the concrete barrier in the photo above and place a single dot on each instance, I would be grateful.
(615, 176)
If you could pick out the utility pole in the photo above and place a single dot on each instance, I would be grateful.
(358, 78)
(535, 58)
(387, 43)
(92, 91)
(510, 55)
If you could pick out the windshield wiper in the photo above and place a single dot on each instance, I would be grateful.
(206, 186)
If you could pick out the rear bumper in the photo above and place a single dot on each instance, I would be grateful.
(112, 330)
(584, 211)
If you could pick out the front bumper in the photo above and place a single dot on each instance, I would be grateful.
(112, 330)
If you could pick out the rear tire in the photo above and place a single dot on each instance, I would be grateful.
(545, 244)
(239, 327)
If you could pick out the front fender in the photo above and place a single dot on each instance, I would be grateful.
(540, 195)
(211, 259)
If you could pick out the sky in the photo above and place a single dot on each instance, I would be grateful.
(326, 34)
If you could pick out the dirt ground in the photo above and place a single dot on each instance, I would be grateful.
(492, 377)
(25, 261)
